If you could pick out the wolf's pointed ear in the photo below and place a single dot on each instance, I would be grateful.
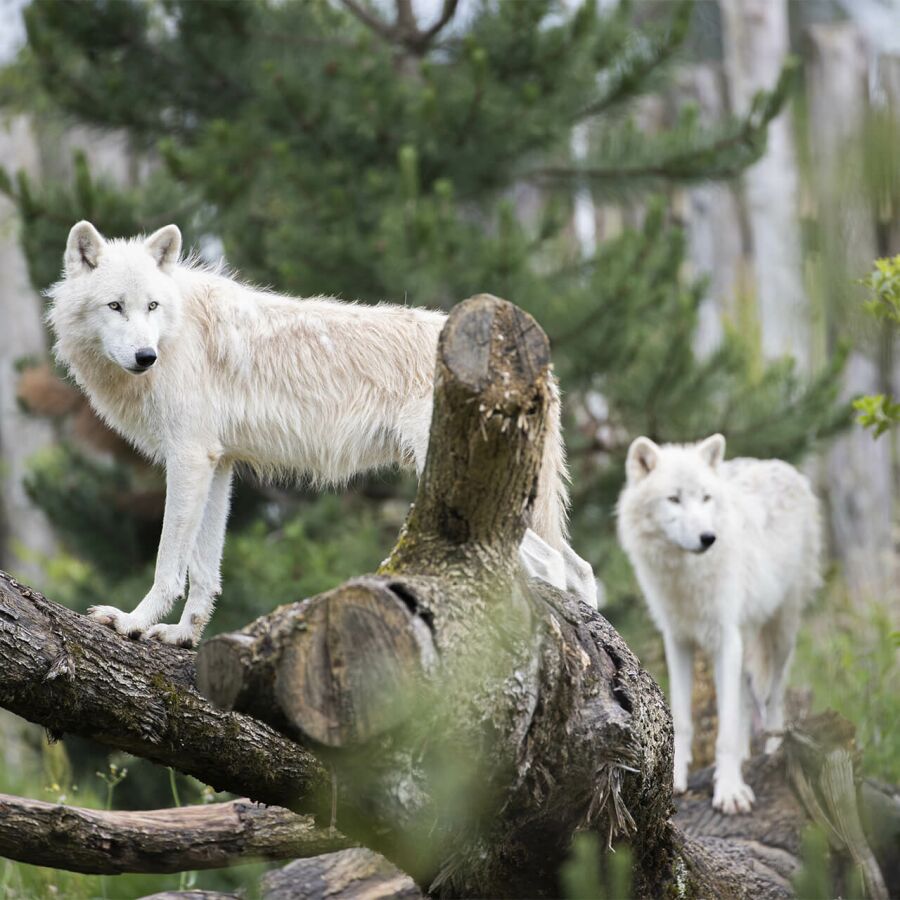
(164, 245)
(83, 249)
(712, 450)
(643, 455)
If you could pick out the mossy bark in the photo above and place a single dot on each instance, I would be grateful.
(156, 841)
(58, 669)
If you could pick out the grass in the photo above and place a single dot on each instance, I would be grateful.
(46, 773)
(849, 654)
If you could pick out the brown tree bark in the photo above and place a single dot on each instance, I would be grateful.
(59, 670)
(156, 841)
(345, 875)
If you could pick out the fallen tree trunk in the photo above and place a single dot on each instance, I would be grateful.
(156, 841)
(59, 670)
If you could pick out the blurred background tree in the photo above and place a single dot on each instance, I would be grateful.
(371, 152)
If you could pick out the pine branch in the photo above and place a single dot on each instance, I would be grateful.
(684, 154)
(448, 10)
(372, 21)
(639, 61)
(405, 30)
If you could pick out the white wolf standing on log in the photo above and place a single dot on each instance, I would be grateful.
(201, 372)
(726, 554)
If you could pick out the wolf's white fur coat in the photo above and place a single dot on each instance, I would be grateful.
(313, 387)
(726, 554)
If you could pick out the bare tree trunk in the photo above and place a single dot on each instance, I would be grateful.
(25, 533)
(860, 477)
(756, 48)
(715, 227)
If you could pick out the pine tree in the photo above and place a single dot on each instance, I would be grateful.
(337, 151)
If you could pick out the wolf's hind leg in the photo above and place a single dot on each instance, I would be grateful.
(188, 479)
(680, 663)
(204, 568)
(781, 635)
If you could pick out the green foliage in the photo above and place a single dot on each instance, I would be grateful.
(48, 210)
(823, 873)
(310, 550)
(884, 283)
(590, 874)
(879, 412)
(82, 498)
(848, 656)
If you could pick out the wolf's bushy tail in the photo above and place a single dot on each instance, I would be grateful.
(550, 517)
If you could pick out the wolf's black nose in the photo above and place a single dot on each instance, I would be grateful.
(145, 357)
(707, 539)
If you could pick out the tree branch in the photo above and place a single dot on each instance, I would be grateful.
(405, 31)
(69, 674)
(371, 20)
(448, 10)
(157, 841)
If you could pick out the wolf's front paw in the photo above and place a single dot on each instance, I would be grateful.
(179, 635)
(733, 796)
(125, 623)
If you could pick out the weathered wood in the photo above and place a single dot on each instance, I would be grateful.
(345, 875)
(768, 843)
(191, 895)
(333, 670)
(492, 390)
(159, 840)
(63, 671)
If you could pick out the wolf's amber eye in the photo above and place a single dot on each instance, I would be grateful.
(153, 305)
(115, 306)
(675, 499)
